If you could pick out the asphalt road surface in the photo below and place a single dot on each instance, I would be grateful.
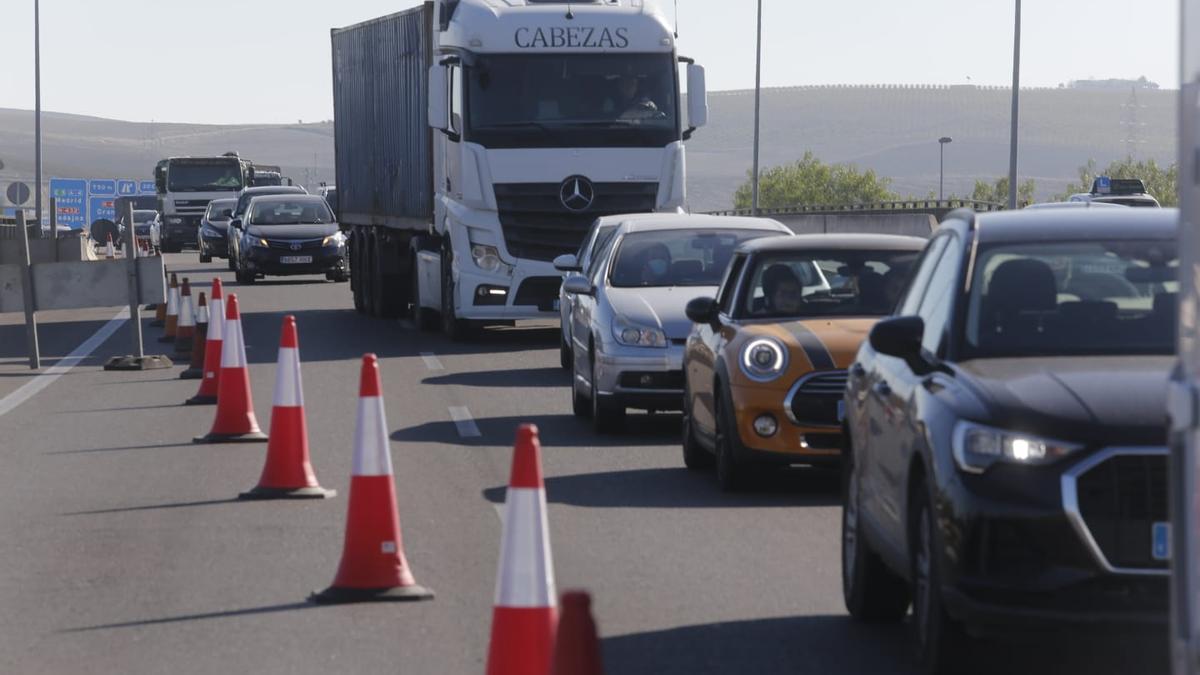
(125, 550)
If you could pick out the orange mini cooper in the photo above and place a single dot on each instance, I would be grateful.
(765, 364)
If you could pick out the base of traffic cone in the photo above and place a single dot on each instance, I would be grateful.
(252, 437)
(336, 595)
(261, 493)
(201, 400)
(193, 374)
(157, 362)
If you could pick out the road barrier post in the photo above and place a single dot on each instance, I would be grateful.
(31, 332)
(138, 359)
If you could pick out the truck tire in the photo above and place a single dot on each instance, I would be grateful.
(424, 318)
(357, 268)
(387, 298)
(370, 269)
(455, 328)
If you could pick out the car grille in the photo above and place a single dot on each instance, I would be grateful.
(538, 291)
(1120, 500)
(813, 400)
(538, 227)
(287, 245)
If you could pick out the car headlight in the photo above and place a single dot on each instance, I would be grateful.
(210, 231)
(335, 239)
(977, 447)
(487, 258)
(764, 359)
(258, 241)
(633, 335)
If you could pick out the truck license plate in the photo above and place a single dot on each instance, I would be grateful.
(1160, 547)
(295, 259)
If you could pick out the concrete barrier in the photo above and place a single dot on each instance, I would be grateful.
(911, 224)
(81, 284)
(65, 249)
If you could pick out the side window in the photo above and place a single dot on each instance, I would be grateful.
(596, 267)
(456, 99)
(939, 298)
(920, 279)
(725, 297)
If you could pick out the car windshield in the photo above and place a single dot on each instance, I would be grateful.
(677, 257)
(827, 283)
(205, 177)
(220, 210)
(244, 200)
(1073, 298)
(290, 212)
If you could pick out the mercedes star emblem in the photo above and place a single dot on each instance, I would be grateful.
(577, 194)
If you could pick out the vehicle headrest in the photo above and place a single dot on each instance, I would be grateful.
(1024, 285)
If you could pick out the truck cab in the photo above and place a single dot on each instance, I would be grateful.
(185, 186)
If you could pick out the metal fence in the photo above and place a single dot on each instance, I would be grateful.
(933, 207)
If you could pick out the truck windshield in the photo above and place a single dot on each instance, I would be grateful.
(193, 177)
(572, 100)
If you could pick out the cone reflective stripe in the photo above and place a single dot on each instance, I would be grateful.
(172, 311)
(576, 648)
(185, 331)
(235, 421)
(109, 252)
(524, 616)
(373, 565)
(210, 381)
(195, 369)
(288, 472)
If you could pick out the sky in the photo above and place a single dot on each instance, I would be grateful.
(267, 61)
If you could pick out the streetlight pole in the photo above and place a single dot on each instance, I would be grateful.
(942, 166)
(37, 114)
(757, 106)
(1016, 98)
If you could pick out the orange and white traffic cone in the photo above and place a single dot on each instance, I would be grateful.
(195, 369)
(373, 564)
(288, 473)
(172, 324)
(110, 252)
(576, 647)
(235, 421)
(160, 309)
(209, 383)
(524, 616)
(185, 331)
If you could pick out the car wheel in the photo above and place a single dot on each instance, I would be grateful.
(731, 474)
(870, 590)
(564, 352)
(607, 415)
(695, 457)
(204, 257)
(580, 405)
(423, 317)
(939, 640)
(231, 263)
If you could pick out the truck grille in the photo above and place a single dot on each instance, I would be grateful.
(1120, 499)
(538, 291)
(814, 399)
(538, 227)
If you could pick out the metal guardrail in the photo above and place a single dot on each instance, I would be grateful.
(937, 208)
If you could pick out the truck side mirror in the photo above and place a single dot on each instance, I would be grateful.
(439, 99)
(160, 180)
(697, 96)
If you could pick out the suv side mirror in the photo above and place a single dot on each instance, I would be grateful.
(567, 263)
(579, 285)
(236, 223)
(899, 336)
(701, 310)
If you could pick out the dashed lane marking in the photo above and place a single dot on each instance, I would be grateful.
(464, 422)
(431, 361)
(40, 382)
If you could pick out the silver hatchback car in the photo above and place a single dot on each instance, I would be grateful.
(628, 326)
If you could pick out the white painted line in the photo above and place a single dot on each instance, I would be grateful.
(464, 422)
(40, 382)
(431, 361)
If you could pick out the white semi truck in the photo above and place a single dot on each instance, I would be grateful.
(477, 140)
(185, 186)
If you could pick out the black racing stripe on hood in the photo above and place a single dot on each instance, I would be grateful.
(816, 351)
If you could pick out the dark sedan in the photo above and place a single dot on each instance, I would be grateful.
(1006, 463)
(233, 234)
(214, 227)
(288, 235)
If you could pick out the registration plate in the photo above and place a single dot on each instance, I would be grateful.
(295, 259)
(1160, 546)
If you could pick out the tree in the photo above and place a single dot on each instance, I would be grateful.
(997, 192)
(1161, 182)
(810, 181)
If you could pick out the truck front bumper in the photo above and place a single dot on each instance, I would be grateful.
(529, 291)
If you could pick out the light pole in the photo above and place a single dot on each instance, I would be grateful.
(757, 102)
(942, 142)
(37, 114)
(1016, 97)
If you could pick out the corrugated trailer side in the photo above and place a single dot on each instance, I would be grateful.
(382, 142)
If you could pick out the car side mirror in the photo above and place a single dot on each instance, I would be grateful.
(579, 285)
(701, 310)
(236, 223)
(567, 263)
(899, 336)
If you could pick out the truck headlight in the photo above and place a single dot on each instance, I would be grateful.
(977, 447)
(633, 335)
(487, 258)
(174, 220)
(763, 359)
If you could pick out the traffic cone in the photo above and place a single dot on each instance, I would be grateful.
(185, 332)
(195, 369)
(373, 565)
(172, 310)
(209, 383)
(235, 421)
(160, 309)
(288, 473)
(110, 253)
(524, 615)
(576, 648)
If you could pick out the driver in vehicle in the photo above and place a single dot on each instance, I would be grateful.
(629, 102)
(782, 291)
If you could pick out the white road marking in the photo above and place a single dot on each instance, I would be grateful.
(431, 361)
(464, 422)
(40, 382)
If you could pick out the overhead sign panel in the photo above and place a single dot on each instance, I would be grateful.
(70, 201)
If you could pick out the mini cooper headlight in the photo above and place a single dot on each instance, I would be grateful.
(977, 447)
(763, 359)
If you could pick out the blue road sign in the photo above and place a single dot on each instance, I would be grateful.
(102, 207)
(146, 187)
(102, 188)
(1103, 185)
(18, 193)
(126, 188)
(70, 201)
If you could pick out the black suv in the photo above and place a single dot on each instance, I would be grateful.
(1006, 431)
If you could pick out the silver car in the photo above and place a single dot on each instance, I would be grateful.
(627, 323)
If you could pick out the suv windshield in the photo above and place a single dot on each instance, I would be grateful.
(220, 209)
(1073, 298)
(297, 212)
(677, 257)
(827, 283)
(206, 177)
(572, 100)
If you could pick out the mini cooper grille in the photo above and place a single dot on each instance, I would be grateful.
(1120, 500)
(815, 399)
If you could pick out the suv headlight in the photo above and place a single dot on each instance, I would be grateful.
(977, 447)
(633, 335)
(764, 359)
(487, 258)
(335, 239)
(258, 241)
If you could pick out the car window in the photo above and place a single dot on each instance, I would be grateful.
(920, 280)
(602, 237)
(725, 297)
(290, 212)
(595, 270)
(677, 257)
(844, 282)
(939, 296)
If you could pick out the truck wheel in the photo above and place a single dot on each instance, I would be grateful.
(455, 328)
(423, 317)
(356, 273)
(386, 298)
(370, 274)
